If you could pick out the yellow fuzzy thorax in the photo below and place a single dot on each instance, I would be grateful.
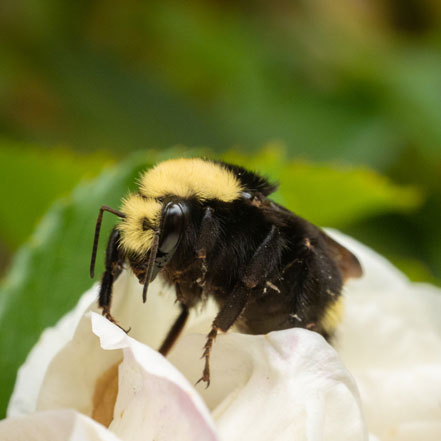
(189, 177)
(183, 178)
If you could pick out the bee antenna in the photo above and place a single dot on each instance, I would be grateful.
(97, 234)
(150, 263)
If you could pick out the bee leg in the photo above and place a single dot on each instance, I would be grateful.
(207, 237)
(226, 317)
(256, 273)
(114, 266)
(175, 330)
(207, 351)
(208, 233)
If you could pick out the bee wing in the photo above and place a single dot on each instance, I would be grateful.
(347, 263)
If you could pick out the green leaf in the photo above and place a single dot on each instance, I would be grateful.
(35, 177)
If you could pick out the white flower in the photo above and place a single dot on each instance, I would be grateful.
(282, 386)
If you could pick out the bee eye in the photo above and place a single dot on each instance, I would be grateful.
(247, 195)
(175, 218)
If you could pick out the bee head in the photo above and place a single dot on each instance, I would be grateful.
(151, 232)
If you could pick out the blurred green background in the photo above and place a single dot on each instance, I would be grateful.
(339, 101)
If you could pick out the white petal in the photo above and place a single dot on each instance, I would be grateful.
(154, 401)
(31, 374)
(149, 323)
(390, 339)
(282, 386)
(396, 399)
(74, 372)
(54, 426)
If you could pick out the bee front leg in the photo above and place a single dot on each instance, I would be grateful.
(114, 266)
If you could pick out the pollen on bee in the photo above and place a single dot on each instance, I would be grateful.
(272, 286)
(333, 315)
(295, 316)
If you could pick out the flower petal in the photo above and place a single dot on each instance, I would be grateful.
(126, 306)
(31, 374)
(154, 401)
(54, 426)
(281, 386)
(153, 397)
(390, 339)
(73, 374)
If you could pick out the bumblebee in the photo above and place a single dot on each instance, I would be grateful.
(209, 229)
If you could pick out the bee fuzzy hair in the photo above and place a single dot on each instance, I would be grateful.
(194, 177)
(141, 223)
